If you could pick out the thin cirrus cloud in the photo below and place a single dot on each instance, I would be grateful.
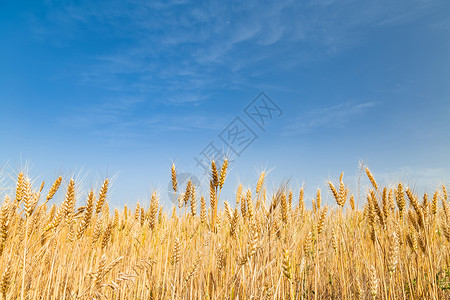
(334, 116)
(120, 116)
(179, 53)
(201, 43)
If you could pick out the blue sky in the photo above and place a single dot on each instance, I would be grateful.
(121, 89)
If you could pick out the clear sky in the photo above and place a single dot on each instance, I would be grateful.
(123, 88)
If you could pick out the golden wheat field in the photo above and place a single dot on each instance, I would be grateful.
(263, 245)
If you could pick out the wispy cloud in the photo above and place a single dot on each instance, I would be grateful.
(111, 111)
(336, 116)
(185, 46)
(179, 53)
(126, 121)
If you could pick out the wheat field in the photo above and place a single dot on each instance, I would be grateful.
(263, 245)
